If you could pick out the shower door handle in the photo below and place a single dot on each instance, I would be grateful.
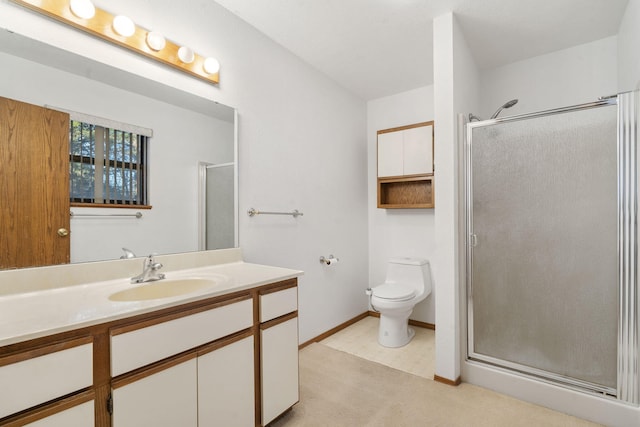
(473, 240)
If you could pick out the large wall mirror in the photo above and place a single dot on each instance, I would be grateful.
(188, 132)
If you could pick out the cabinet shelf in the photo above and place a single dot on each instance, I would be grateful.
(406, 192)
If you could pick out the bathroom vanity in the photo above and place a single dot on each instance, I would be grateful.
(226, 354)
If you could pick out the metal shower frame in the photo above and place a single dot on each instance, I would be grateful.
(628, 363)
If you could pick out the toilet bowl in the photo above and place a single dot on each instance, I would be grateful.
(407, 283)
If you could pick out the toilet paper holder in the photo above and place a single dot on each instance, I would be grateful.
(328, 261)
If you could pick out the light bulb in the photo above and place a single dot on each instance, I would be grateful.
(124, 26)
(186, 55)
(156, 41)
(83, 9)
(211, 66)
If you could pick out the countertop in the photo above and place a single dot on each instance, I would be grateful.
(29, 315)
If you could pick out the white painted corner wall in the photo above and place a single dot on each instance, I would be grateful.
(399, 232)
(628, 52)
(571, 76)
(456, 91)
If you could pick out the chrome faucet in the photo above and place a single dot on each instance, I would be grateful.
(128, 254)
(149, 271)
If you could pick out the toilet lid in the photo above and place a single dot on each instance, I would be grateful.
(394, 292)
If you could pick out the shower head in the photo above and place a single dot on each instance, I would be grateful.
(507, 104)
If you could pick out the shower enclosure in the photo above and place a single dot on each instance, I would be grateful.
(551, 244)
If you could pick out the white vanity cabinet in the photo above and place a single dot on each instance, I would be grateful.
(228, 360)
(278, 350)
(166, 369)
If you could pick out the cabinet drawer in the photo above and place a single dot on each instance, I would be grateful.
(44, 374)
(131, 349)
(277, 304)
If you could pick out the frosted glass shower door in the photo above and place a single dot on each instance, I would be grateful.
(542, 256)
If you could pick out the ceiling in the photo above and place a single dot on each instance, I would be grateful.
(376, 48)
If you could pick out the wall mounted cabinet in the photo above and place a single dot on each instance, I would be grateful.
(405, 166)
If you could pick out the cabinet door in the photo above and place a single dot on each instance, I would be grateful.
(418, 150)
(226, 386)
(78, 416)
(167, 398)
(279, 362)
(390, 154)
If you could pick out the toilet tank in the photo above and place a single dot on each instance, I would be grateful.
(414, 272)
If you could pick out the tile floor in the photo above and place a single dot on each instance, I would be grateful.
(361, 339)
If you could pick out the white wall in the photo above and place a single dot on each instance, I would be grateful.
(567, 77)
(398, 232)
(628, 52)
(302, 143)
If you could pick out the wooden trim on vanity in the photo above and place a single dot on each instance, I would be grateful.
(101, 375)
(135, 325)
(42, 351)
(223, 342)
(447, 381)
(45, 410)
(257, 366)
(278, 286)
(148, 370)
(274, 322)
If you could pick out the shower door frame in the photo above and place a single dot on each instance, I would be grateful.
(628, 375)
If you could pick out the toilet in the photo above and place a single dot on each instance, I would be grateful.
(408, 282)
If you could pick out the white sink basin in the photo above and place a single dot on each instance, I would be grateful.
(163, 289)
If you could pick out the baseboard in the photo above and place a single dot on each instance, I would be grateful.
(447, 381)
(334, 330)
(357, 319)
(411, 322)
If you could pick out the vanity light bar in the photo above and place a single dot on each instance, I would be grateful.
(101, 25)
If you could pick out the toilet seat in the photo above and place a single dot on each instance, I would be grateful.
(394, 292)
